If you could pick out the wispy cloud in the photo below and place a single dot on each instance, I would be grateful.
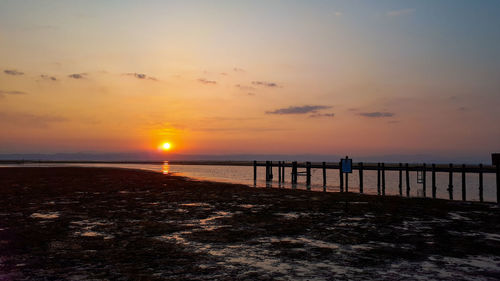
(30, 120)
(305, 109)
(5, 93)
(13, 72)
(377, 114)
(338, 14)
(319, 115)
(77, 75)
(398, 13)
(141, 76)
(265, 84)
(244, 87)
(205, 81)
(48, 77)
(237, 69)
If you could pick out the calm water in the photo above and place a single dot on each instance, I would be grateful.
(244, 175)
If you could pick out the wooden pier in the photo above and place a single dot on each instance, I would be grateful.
(381, 168)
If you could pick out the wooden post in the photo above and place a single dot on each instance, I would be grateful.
(383, 179)
(341, 177)
(450, 180)
(361, 177)
(308, 175)
(498, 183)
(464, 195)
(434, 181)
(267, 171)
(378, 178)
(271, 170)
(346, 182)
(294, 172)
(480, 182)
(324, 176)
(424, 180)
(254, 172)
(283, 171)
(279, 172)
(400, 179)
(407, 180)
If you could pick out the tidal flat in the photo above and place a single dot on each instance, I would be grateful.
(71, 223)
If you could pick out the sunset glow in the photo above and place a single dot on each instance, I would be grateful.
(250, 77)
(166, 146)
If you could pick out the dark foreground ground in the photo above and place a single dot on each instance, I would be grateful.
(115, 224)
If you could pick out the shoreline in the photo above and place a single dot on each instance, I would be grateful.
(113, 223)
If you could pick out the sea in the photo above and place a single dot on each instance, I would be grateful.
(244, 175)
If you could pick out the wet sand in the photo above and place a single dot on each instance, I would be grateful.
(117, 224)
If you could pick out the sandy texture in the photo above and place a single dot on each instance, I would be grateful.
(117, 224)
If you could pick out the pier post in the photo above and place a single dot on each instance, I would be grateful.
(279, 172)
(294, 172)
(424, 179)
(271, 170)
(254, 172)
(383, 179)
(346, 182)
(450, 182)
(324, 176)
(434, 181)
(283, 171)
(308, 175)
(495, 160)
(400, 179)
(480, 182)
(407, 180)
(378, 178)
(361, 177)
(341, 177)
(498, 183)
(267, 171)
(464, 195)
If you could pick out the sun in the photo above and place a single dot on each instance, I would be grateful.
(166, 146)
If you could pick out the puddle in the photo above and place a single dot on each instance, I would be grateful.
(291, 215)
(45, 216)
(94, 234)
(196, 204)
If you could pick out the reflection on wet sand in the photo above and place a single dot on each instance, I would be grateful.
(165, 168)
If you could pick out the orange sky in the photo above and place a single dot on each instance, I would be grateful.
(239, 77)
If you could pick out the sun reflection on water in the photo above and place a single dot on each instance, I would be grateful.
(165, 168)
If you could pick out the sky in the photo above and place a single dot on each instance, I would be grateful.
(250, 77)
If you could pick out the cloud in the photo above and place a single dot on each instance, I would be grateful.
(337, 14)
(47, 77)
(398, 13)
(299, 109)
(265, 84)
(319, 115)
(2, 92)
(377, 114)
(237, 69)
(77, 75)
(141, 76)
(30, 120)
(244, 88)
(205, 81)
(13, 72)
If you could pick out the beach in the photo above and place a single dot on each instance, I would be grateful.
(70, 223)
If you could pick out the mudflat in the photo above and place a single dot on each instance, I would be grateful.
(118, 224)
